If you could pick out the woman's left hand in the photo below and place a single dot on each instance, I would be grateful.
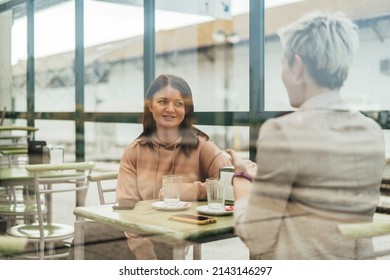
(241, 165)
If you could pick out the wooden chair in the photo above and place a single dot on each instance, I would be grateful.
(102, 180)
(46, 234)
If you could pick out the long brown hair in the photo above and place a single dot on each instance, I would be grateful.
(187, 131)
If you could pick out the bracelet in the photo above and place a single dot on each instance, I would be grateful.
(242, 175)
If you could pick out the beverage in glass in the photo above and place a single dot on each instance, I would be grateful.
(215, 194)
(171, 190)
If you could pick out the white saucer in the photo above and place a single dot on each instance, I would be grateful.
(204, 209)
(161, 206)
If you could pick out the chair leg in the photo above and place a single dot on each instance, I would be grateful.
(197, 252)
(51, 248)
(41, 250)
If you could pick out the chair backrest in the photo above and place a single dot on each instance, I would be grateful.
(367, 230)
(105, 183)
(57, 178)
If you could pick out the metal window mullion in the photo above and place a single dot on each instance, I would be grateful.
(79, 80)
(256, 71)
(30, 64)
(149, 43)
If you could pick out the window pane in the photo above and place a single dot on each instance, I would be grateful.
(113, 57)
(107, 141)
(54, 56)
(236, 137)
(209, 51)
(368, 83)
(13, 53)
(58, 133)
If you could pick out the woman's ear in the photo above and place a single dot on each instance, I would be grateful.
(298, 68)
(149, 104)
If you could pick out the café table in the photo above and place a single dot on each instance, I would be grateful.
(12, 177)
(13, 138)
(29, 131)
(11, 153)
(145, 220)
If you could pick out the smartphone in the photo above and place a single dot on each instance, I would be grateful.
(125, 204)
(193, 219)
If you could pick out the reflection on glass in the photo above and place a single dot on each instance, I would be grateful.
(236, 137)
(54, 58)
(113, 57)
(368, 82)
(58, 133)
(13, 82)
(211, 54)
(106, 141)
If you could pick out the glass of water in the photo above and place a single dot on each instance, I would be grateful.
(215, 194)
(171, 189)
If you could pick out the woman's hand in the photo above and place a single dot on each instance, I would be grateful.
(241, 165)
(242, 186)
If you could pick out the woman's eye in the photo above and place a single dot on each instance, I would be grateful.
(162, 101)
(179, 104)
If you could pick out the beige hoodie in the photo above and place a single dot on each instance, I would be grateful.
(141, 170)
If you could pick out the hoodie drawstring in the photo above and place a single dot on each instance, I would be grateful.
(156, 171)
(172, 167)
(173, 160)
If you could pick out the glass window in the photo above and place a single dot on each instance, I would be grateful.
(113, 57)
(58, 133)
(13, 59)
(54, 56)
(208, 46)
(236, 137)
(368, 82)
(209, 50)
(107, 141)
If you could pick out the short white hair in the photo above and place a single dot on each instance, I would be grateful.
(327, 44)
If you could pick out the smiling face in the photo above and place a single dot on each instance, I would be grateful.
(167, 108)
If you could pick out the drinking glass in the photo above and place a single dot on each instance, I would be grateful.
(171, 189)
(215, 194)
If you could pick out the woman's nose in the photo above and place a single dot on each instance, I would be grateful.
(170, 107)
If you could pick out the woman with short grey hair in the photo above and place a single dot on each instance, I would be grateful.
(327, 45)
(318, 166)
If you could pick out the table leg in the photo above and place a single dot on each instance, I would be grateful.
(79, 239)
(197, 252)
(49, 205)
(179, 251)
